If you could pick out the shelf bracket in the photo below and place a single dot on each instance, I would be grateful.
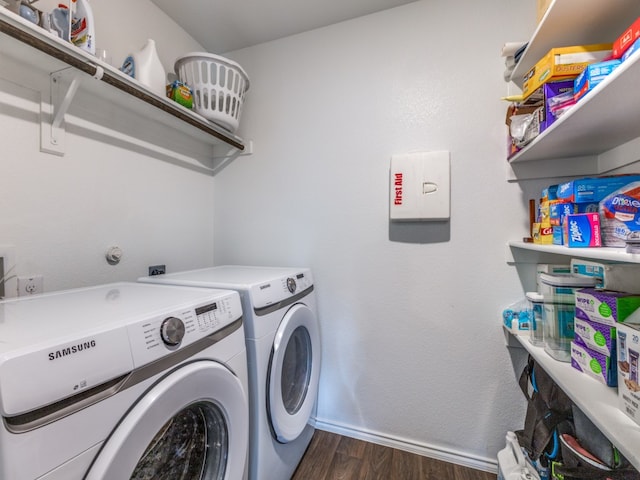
(221, 161)
(63, 86)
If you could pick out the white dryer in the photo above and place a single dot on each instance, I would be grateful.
(123, 381)
(283, 351)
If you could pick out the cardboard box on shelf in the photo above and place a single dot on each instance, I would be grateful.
(607, 306)
(597, 336)
(593, 189)
(595, 364)
(592, 75)
(582, 230)
(629, 370)
(563, 63)
(626, 39)
(542, 233)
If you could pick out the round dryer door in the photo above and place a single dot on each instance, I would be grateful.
(294, 372)
(193, 424)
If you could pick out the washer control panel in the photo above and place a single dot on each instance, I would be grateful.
(154, 338)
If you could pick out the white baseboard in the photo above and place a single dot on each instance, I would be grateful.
(431, 451)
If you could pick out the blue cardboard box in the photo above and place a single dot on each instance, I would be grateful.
(593, 189)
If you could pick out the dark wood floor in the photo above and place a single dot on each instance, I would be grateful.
(334, 457)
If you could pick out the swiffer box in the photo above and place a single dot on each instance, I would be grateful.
(606, 306)
(629, 370)
(562, 64)
(593, 189)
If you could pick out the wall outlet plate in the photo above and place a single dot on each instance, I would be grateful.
(31, 285)
(157, 270)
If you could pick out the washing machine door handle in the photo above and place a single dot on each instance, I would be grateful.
(294, 373)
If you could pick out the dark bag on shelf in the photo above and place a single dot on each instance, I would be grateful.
(548, 415)
(590, 454)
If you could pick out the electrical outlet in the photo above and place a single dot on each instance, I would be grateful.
(157, 270)
(30, 285)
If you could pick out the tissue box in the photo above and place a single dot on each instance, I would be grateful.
(597, 336)
(594, 364)
(606, 306)
(582, 230)
(628, 370)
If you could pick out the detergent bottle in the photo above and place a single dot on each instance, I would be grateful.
(82, 26)
(145, 66)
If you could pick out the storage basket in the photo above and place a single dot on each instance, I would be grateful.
(219, 86)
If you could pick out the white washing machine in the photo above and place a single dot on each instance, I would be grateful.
(283, 351)
(123, 381)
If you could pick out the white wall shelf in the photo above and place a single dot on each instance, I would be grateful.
(596, 400)
(56, 59)
(595, 136)
(597, 253)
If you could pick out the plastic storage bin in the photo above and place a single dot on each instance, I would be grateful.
(558, 311)
(219, 86)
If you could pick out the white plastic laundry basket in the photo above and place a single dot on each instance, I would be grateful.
(219, 86)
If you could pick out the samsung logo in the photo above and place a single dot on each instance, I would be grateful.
(262, 287)
(71, 350)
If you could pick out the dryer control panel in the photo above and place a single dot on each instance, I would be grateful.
(280, 288)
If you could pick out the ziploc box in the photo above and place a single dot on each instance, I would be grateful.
(593, 189)
(622, 277)
(560, 209)
(582, 230)
(563, 63)
(607, 306)
(591, 76)
(601, 367)
(629, 370)
(597, 336)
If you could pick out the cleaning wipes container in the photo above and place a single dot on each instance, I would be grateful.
(558, 311)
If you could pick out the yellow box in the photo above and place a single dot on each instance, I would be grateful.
(542, 233)
(543, 6)
(563, 63)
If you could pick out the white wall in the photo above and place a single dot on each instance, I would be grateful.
(62, 213)
(413, 349)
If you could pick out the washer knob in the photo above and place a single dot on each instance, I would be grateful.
(172, 331)
(291, 284)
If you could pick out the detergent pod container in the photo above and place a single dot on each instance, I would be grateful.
(83, 33)
(145, 66)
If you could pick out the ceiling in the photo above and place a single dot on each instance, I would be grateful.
(225, 25)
